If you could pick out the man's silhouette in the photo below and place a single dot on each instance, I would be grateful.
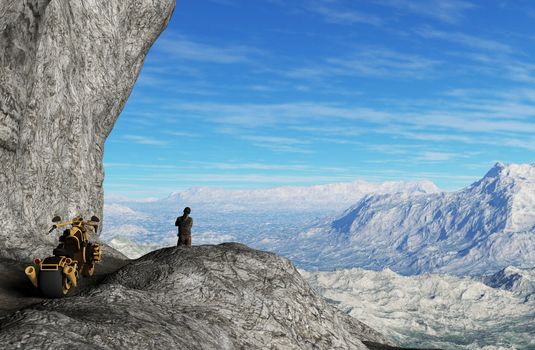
(184, 223)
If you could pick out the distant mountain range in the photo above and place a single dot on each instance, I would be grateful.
(261, 218)
(321, 198)
(480, 229)
(411, 227)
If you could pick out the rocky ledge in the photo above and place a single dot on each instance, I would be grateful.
(204, 297)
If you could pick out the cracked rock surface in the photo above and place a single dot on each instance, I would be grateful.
(66, 71)
(204, 297)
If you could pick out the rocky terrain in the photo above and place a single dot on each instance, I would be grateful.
(441, 311)
(66, 71)
(520, 282)
(329, 198)
(264, 219)
(477, 230)
(205, 297)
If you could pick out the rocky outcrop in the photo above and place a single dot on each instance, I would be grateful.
(204, 297)
(66, 70)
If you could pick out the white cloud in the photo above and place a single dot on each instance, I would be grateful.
(448, 11)
(436, 156)
(181, 133)
(278, 144)
(369, 62)
(521, 71)
(255, 166)
(145, 140)
(464, 39)
(422, 114)
(343, 16)
(183, 48)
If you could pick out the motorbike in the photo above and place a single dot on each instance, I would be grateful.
(74, 257)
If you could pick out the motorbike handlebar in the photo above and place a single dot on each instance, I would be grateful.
(52, 228)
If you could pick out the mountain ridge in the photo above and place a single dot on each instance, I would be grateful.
(302, 197)
(479, 229)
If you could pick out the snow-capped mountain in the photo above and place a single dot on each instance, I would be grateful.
(519, 281)
(439, 311)
(263, 218)
(115, 209)
(130, 249)
(329, 198)
(479, 229)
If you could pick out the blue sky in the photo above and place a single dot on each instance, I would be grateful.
(262, 93)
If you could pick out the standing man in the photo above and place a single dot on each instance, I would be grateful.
(184, 223)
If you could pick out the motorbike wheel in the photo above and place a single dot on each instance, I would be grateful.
(88, 270)
(53, 284)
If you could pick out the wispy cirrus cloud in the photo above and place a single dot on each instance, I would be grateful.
(434, 156)
(505, 66)
(448, 11)
(470, 41)
(476, 120)
(195, 165)
(145, 140)
(527, 144)
(343, 16)
(255, 116)
(385, 63)
(278, 143)
(181, 134)
(369, 62)
(521, 71)
(254, 166)
(181, 47)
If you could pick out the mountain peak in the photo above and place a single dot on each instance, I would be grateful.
(521, 171)
(481, 228)
(496, 170)
(517, 280)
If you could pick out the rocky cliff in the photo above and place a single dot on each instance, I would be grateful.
(66, 70)
(204, 297)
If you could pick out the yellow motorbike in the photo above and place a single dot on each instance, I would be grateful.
(75, 256)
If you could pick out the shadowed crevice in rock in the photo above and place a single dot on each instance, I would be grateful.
(377, 346)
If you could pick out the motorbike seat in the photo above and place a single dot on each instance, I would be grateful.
(72, 243)
(60, 251)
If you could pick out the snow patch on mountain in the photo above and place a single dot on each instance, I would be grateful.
(131, 249)
(125, 230)
(519, 281)
(482, 228)
(115, 209)
(431, 310)
(522, 178)
(321, 197)
(264, 219)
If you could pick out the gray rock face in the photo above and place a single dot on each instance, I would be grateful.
(66, 70)
(205, 297)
